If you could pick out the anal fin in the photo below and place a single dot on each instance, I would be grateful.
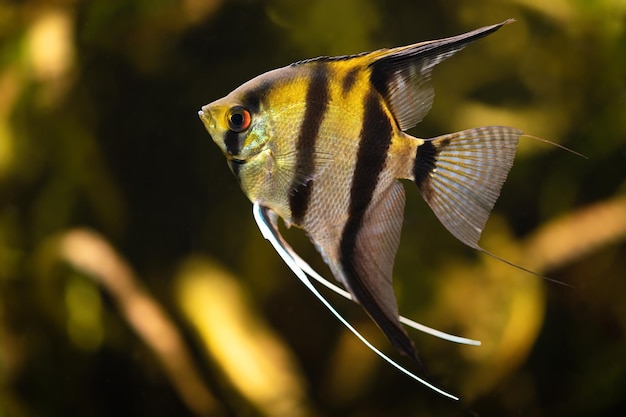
(365, 259)
(266, 220)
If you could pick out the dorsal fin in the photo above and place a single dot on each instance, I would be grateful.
(326, 58)
(402, 75)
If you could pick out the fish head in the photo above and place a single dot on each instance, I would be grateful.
(237, 125)
(255, 126)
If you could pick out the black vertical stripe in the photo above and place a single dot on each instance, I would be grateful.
(252, 100)
(316, 104)
(375, 139)
(374, 143)
(425, 163)
(349, 80)
(380, 78)
(232, 142)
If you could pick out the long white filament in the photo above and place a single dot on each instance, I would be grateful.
(302, 264)
(413, 324)
(269, 230)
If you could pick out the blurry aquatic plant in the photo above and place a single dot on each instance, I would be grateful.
(252, 358)
(89, 254)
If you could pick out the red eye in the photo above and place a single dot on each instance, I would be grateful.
(238, 119)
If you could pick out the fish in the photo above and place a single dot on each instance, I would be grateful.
(322, 144)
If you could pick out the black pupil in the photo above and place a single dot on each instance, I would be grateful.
(236, 119)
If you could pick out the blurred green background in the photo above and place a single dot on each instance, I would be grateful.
(134, 282)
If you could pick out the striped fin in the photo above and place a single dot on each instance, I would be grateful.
(460, 176)
(366, 257)
(266, 220)
(402, 75)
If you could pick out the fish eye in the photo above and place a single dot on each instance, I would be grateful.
(238, 119)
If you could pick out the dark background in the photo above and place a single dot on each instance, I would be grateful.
(134, 282)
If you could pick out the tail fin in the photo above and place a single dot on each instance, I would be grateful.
(460, 176)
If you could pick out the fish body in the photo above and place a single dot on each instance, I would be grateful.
(321, 143)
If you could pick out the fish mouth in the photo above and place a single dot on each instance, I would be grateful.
(206, 118)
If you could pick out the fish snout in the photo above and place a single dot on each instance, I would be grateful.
(207, 119)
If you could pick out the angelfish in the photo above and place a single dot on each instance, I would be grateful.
(321, 143)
